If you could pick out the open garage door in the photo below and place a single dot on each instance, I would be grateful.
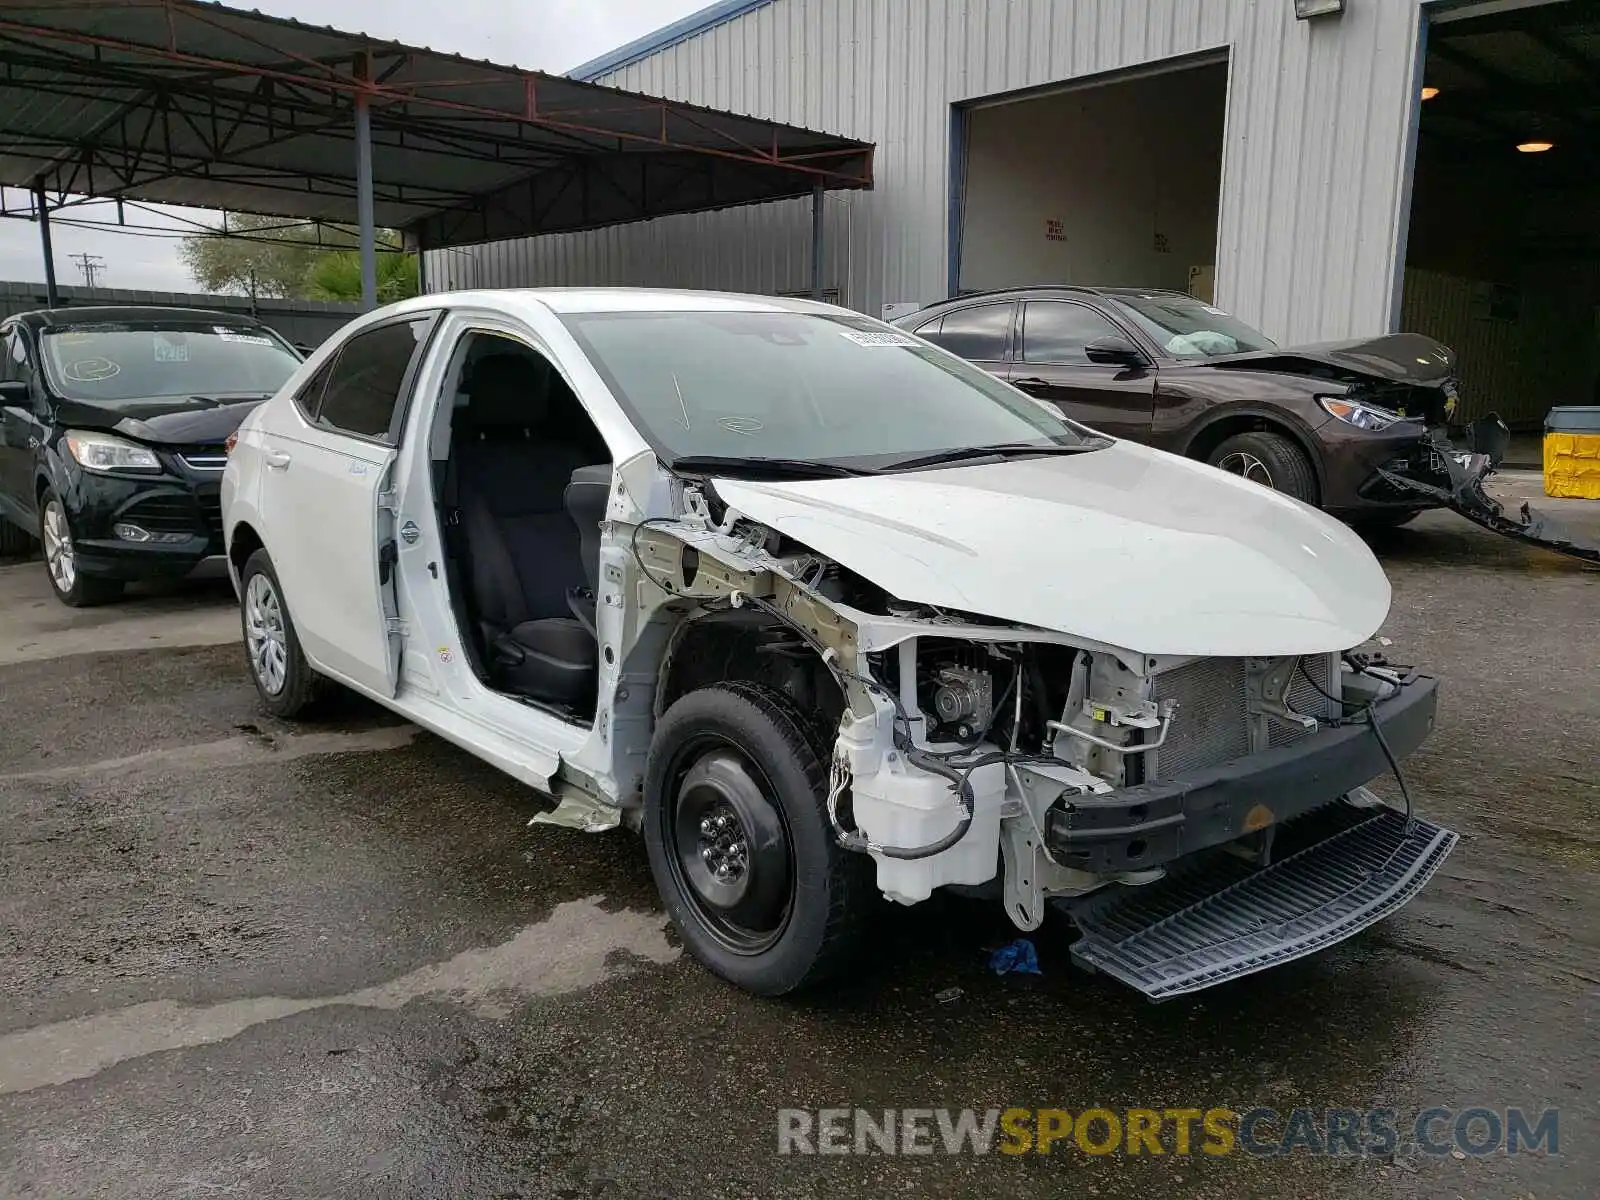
(1503, 255)
(1113, 182)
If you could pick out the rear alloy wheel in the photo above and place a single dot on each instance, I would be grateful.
(1270, 459)
(286, 683)
(71, 586)
(739, 843)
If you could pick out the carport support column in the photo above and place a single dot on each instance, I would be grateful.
(817, 246)
(41, 204)
(369, 251)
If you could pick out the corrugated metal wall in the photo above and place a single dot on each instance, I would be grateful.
(1318, 113)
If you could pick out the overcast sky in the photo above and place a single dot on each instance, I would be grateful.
(546, 35)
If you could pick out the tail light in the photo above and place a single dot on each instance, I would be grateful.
(233, 440)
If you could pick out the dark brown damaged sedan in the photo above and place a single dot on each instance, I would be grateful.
(1317, 422)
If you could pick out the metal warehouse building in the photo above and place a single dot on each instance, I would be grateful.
(1322, 168)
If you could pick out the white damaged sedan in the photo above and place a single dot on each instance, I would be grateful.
(824, 611)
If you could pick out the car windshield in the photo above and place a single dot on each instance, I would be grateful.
(1188, 328)
(136, 360)
(810, 387)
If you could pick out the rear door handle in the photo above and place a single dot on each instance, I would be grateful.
(278, 460)
(1028, 381)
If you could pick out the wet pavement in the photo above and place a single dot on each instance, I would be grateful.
(246, 958)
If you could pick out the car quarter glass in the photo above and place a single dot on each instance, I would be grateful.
(1056, 331)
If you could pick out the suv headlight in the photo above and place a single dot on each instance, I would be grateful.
(102, 452)
(1362, 416)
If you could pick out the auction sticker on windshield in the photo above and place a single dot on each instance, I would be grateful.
(874, 337)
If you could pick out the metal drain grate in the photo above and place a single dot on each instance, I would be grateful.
(1225, 918)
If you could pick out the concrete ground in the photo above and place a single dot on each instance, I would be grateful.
(244, 958)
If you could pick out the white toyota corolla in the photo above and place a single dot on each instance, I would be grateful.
(824, 611)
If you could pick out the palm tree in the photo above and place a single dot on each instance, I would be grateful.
(337, 276)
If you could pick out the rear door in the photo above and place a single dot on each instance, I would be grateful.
(1050, 363)
(979, 333)
(328, 501)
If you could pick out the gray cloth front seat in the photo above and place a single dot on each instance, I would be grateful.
(521, 436)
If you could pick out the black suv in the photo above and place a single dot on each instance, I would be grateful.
(113, 432)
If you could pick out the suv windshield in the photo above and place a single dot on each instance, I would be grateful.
(1186, 328)
(845, 390)
(135, 361)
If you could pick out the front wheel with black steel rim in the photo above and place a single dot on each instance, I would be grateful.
(1270, 459)
(739, 842)
(71, 586)
(286, 683)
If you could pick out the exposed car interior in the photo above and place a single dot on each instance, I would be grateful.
(522, 479)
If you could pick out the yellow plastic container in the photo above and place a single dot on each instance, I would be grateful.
(1572, 465)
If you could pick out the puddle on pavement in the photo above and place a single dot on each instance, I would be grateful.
(580, 944)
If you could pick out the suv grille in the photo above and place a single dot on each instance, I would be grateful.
(1213, 722)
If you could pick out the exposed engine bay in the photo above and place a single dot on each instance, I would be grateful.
(1049, 770)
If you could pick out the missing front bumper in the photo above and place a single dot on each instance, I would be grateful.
(1440, 474)
(1221, 918)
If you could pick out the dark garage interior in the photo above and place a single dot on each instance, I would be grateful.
(1503, 256)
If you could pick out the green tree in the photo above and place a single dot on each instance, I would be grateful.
(337, 276)
(274, 256)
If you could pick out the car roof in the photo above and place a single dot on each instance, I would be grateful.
(571, 300)
(1034, 290)
(99, 314)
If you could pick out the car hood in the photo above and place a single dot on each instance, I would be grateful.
(1126, 546)
(1398, 357)
(164, 420)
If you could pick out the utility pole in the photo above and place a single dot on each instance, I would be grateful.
(91, 265)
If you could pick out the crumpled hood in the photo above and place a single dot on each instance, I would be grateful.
(1397, 357)
(1127, 546)
(165, 420)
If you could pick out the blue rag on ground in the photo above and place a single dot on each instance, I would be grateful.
(1017, 958)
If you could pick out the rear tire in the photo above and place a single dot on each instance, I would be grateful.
(1270, 459)
(71, 586)
(736, 828)
(285, 681)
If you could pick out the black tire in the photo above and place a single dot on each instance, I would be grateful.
(737, 745)
(1271, 459)
(294, 686)
(1384, 520)
(71, 586)
(15, 541)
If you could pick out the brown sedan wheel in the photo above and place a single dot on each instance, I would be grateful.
(1270, 459)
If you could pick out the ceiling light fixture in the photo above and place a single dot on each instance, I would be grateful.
(1428, 93)
(1535, 147)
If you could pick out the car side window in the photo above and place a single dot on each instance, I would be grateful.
(978, 333)
(364, 383)
(1056, 331)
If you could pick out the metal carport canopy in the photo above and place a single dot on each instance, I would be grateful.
(183, 102)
